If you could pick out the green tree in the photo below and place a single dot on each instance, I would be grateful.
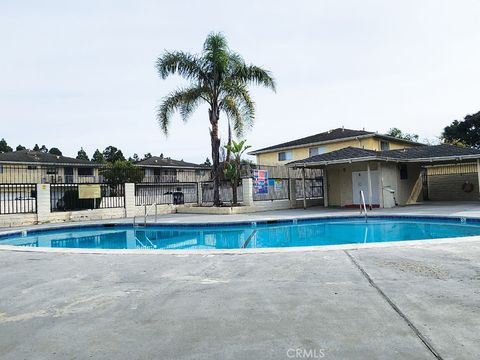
(232, 168)
(147, 156)
(82, 155)
(111, 154)
(98, 157)
(121, 172)
(397, 133)
(464, 133)
(218, 77)
(135, 158)
(20, 148)
(55, 151)
(207, 162)
(4, 148)
(44, 149)
(36, 148)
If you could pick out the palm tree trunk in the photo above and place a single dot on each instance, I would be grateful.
(229, 153)
(215, 140)
(234, 191)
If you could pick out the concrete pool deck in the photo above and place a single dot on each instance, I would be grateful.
(409, 302)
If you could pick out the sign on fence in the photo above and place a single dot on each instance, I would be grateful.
(278, 185)
(260, 181)
(91, 191)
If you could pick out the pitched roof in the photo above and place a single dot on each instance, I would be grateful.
(427, 152)
(157, 161)
(38, 157)
(329, 136)
(424, 153)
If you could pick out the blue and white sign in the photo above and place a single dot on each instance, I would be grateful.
(260, 181)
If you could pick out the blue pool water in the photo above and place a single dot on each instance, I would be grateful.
(264, 235)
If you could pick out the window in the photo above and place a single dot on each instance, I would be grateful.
(1, 169)
(165, 172)
(384, 145)
(32, 167)
(317, 151)
(87, 171)
(52, 170)
(285, 156)
(403, 172)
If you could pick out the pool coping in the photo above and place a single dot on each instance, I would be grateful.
(240, 251)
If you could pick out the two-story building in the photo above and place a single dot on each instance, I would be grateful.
(159, 169)
(27, 166)
(328, 141)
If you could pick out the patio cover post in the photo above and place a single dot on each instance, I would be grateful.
(325, 187)
(478, 174)
(369, 186)
(304, 186)
(380, 185)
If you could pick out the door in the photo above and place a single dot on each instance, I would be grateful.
(68, 172)
(360, 183)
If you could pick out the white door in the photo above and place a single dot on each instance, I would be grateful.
(360, 182)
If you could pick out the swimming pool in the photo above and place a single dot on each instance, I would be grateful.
(292, 233)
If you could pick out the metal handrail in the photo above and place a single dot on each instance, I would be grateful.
(362, 198)
(146, 212)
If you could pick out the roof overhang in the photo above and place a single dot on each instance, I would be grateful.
(359, 137)
(429, 160)
(40, 163)
(174, 167)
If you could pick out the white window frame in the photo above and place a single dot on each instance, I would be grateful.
(288, 155)
(317, 150)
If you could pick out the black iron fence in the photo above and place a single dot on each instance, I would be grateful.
(18, 199)
(70, 197)
(313, 188)
(176, 194)
(277, 189)
(152, 185)
(226, 192)
(279, 178)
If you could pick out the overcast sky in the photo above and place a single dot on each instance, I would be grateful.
(81, 73)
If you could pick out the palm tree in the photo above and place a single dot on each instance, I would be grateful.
(218, 77)
(233, 167)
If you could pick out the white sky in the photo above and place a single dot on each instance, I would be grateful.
(81, 73)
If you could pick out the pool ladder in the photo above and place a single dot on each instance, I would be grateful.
(364, 208)
(145, 214)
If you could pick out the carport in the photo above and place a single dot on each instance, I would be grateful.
(397, 177)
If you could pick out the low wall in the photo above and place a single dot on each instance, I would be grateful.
(17, 220)
(257, 206)
(84, 215)
(310, 202)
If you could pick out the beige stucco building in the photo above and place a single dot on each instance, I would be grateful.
(397, 177)
(328, 141)
(35, 167)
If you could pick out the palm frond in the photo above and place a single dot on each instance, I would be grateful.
(183, 100)
(216, 55)
(252, 74)
(239, 93)
(239, 112)
(184, 64)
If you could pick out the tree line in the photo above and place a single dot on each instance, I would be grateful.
(464, 132)
(110, 154)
